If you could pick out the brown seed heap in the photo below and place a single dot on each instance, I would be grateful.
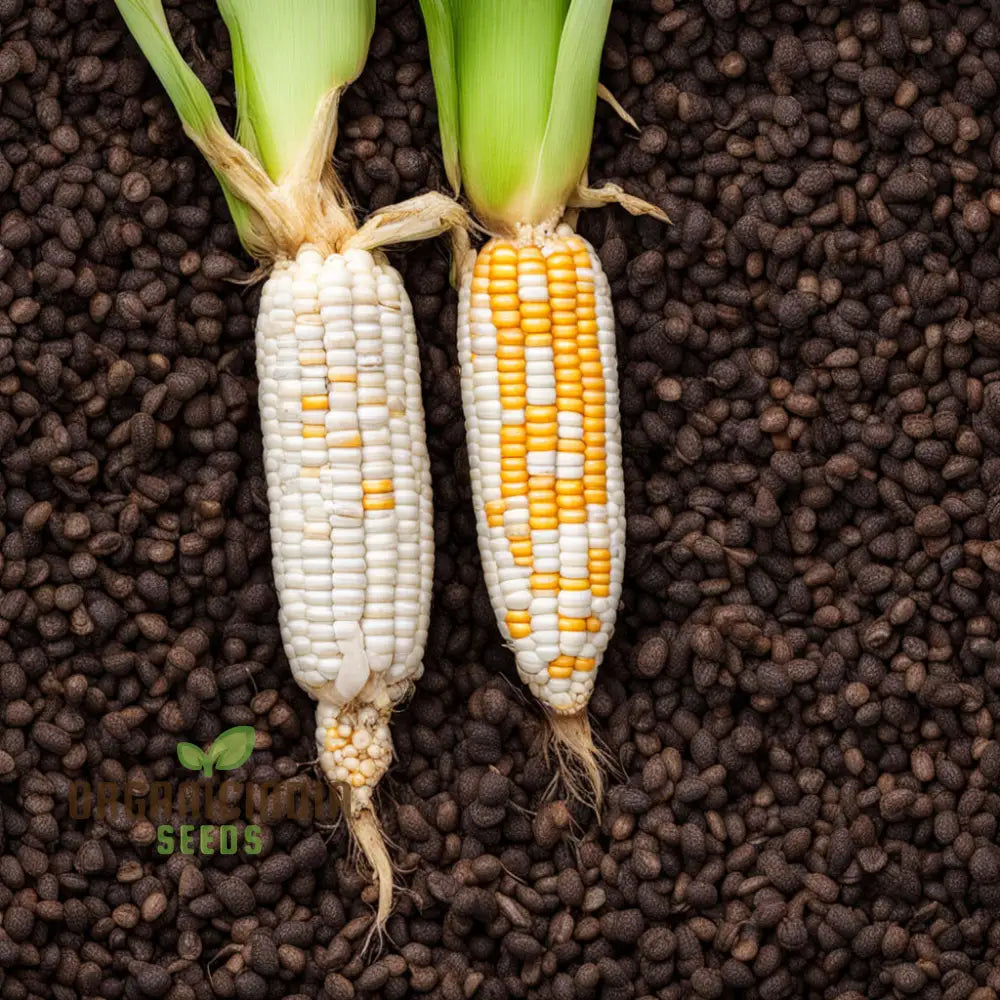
(802, 687)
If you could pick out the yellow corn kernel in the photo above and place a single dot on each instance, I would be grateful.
(540, 414)
(512, 402)
(544, 523)
(315, 403)
(507, 319)
(544, 508)
(538, 428)
(543, 442)
(533, 328)
(535, 310)
(515, 475)
(564, 360)
(561, 266)
(521, 551)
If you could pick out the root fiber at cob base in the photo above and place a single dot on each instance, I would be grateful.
(517, 86)
(343, 427)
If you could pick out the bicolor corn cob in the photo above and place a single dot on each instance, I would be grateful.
(536, 342)
(516, 84)
(349, 490)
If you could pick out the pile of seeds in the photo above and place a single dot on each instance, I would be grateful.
(803, 689)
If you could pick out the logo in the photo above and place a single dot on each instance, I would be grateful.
(195, 816)
(228, 751)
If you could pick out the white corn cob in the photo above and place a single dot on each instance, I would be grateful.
(536, 342)
(348, 484)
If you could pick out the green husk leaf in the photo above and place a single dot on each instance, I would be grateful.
(439, 20)
(286, 57)
(570, 127)
(517, 84)
(506, 55)
(147, 22)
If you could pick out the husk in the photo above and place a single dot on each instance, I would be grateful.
(605, 95)
(309, 206)
(612, 194)
(420, 218)
(286, 57)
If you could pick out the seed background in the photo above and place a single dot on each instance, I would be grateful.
(803, 685)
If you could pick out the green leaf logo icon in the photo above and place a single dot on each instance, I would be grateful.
(192, 757)
(230, 750)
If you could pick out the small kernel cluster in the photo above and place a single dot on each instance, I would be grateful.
(539, 382)
(355, 747)
(348, 481)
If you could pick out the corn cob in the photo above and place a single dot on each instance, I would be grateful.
(344, 452)
(536, 343)
(517, 85)
(349, 490)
